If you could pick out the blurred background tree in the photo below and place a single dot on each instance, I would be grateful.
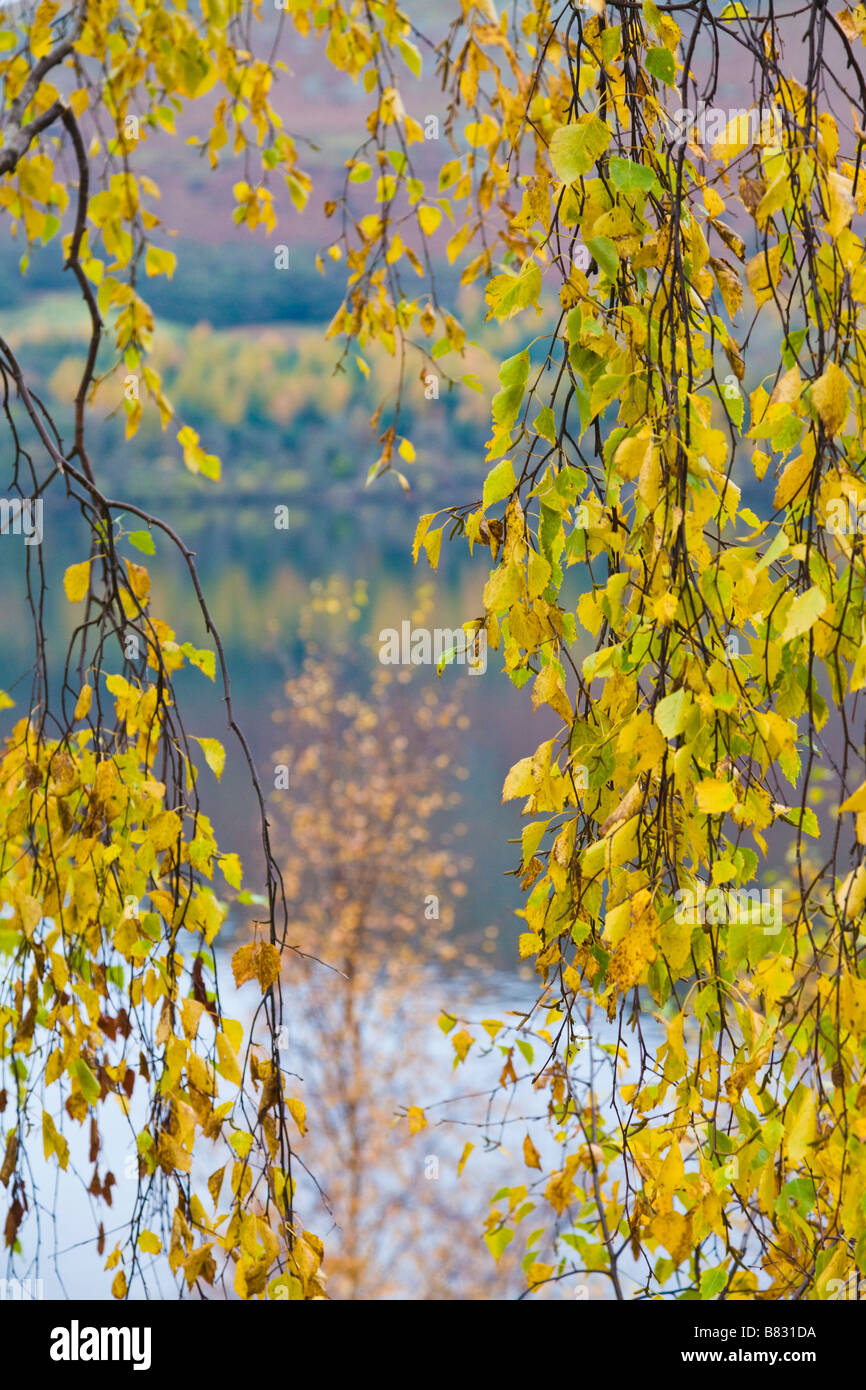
(369, 845)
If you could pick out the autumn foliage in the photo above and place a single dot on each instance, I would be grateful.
(661, 564)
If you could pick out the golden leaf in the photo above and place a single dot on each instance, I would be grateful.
(531, 1156)
(260, 960)
(417, 1119)
(76, 581)
(830, 398)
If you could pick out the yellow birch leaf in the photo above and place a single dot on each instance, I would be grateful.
(164, 830)
(53, 1141)
(793, 480)
(82, 704)
(139, 581)
(549, 690)
(228, 1066)
(830, 398)
(714, 797)
(76, 581)
(762, 273)
(260, 960)
(852, 1004)
(531, 1156)
(520, 781)
(851, 894)
(467, 1149)
(215, 755)
(298, 1112)
(417, 1119)
(804, 613)
(633, 454)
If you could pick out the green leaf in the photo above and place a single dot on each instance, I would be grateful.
(604, 251)
(505, 406)
(575, 148)
(660, 63)
(143, 541)
(735, 406)
(713, 1281)
(545, 424)
(802, 819)
(499, 483)
(611, 42)
(515, 370)
(508, 294)
(629, 177)
(90, 1087)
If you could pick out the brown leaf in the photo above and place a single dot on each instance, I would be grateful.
(270, 1094)
(200, 993)
(13, 1221)
(729, 237)
(10, 1159)
(214, 1184)
(751, 192)
(108, 1026)
(508, 1073)
(738, 366)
